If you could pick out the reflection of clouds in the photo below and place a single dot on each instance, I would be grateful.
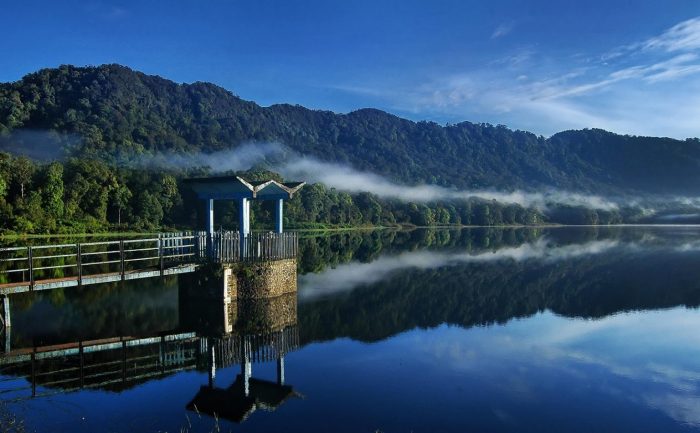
(646, 358)
(689, 246)
(682, 408)
(351, 275)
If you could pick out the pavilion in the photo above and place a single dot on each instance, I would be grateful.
(243, 191)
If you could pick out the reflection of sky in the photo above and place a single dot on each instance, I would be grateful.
(629, 372)
(650, 358)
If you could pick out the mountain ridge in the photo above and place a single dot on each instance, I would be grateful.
(121, 112)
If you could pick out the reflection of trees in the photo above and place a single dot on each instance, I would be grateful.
(318, 251)
(102, 310)
(482, 294)
(150, 305)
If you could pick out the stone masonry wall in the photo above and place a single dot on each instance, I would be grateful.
(261, 280)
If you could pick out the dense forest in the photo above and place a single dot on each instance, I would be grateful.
(81, 130)
(86, 195)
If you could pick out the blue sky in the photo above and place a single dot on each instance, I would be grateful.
(540, 65)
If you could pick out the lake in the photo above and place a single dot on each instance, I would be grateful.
(485, 330)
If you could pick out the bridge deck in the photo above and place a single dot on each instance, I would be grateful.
(55, 283)
(44, 267)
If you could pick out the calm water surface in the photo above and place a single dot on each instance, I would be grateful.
(561, 329)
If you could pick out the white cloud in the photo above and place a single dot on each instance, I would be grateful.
(502, 30)
(644, 88)
(684, 36)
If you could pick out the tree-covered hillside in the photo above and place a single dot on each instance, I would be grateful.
(115, 112)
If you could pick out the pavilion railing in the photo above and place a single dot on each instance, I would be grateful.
(228, 247)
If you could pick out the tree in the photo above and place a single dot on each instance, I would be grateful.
(23, 170)
(53, 191)
(3, 188)
(120, 199)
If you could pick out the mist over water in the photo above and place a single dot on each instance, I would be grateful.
(293, 166)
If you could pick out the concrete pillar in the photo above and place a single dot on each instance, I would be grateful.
(278, 215)
(280, 370)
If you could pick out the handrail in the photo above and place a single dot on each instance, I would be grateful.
(20, 265)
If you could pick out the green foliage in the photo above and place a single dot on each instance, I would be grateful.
(121, 114)
(3, 188)
(53, 191)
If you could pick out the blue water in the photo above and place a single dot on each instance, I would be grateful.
(549, 330)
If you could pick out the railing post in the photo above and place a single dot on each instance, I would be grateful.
(79, 264)
(124, 361)
(30, 260)
(33, 359)
(121, 258)
(82, 364)
(160, 254)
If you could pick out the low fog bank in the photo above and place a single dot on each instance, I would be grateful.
(278, 158)
(293, 166)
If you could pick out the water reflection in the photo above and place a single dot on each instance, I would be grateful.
(570, 275)
(512, 330)
(254, 331)
(212, 333)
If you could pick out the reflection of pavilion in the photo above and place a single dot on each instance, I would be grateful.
(247, 393)
(255, 331)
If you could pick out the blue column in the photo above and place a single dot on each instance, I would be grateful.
(210, 217)
(278, 215)
(280, 370)
(244, 217)
(247, 217)
(243, 225)
(209, 227)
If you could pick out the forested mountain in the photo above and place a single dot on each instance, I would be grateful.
(86, 130)
(117, 112)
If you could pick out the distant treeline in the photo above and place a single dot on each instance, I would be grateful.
(86, 195)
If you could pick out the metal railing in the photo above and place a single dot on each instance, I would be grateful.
(32, 264)
(76, 262)
(227, 247)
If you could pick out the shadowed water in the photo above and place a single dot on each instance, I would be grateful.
(529, 330)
